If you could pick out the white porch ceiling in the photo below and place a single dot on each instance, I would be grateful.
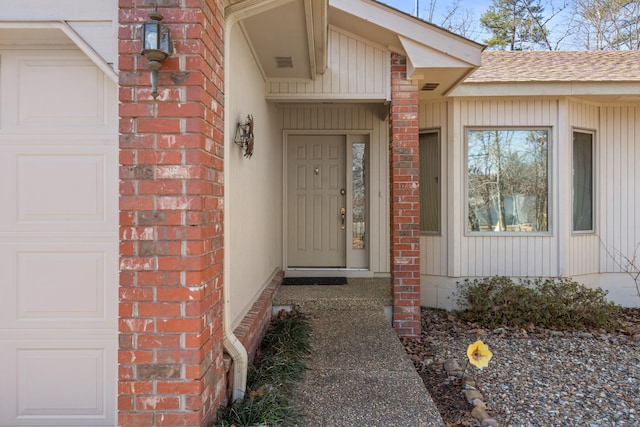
(288, 37)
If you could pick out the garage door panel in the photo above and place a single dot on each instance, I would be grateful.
(59, 285)
(76, 85)
(45, 283)
(63, 189)
(62, 196)
(67, 382)
(49, 91)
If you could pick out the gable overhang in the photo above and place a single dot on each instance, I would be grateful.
(288, 38)
(603, 91)
(437, 60)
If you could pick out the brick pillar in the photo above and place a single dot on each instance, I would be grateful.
(405, 200)
(171, 252)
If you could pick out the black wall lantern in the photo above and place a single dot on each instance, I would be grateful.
(156, 46)
(244, 136)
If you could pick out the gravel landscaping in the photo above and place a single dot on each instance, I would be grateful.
(536, 377)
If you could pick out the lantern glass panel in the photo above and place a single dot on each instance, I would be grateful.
(165, 40)
(151, 35)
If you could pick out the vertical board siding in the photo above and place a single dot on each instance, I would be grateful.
(616, 190)
(511, 255)
(619, 154)
(354, 117)
(356, 70)
(584, 248)
(433, 248)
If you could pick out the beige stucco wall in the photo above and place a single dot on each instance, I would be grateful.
(253, 211)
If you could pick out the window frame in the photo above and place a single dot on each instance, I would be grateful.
(550, 193)
(594, 191)
(438, 132)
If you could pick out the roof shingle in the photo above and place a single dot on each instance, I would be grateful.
(558, 66)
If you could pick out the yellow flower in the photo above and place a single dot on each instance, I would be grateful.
(479, 354)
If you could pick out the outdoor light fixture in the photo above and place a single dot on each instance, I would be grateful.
(156, 46)
(244, 136)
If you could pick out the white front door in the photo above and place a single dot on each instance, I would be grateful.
(58, 239)
(316, 201)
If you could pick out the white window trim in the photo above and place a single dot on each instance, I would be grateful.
(437, 131)
(594, 182)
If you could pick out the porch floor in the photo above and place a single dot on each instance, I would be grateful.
(359, 372)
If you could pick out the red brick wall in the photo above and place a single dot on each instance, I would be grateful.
(255, 324)
(171, 219)
(405, 200)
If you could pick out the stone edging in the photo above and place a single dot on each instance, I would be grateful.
(471, 393)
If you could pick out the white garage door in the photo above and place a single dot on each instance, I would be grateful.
(58, 239)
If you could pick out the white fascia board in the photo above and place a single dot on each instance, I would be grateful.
(423, 56)
(73, 36)
(303, 98)
(248, 8)
(412, 28)
(547, 89)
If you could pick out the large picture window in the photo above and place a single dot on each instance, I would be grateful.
(508, 182)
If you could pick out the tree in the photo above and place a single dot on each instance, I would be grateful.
(456, 19)
(516, 25)
(461, 21)
(507, 180)
(607, 24)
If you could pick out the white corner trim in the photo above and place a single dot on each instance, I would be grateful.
(73, 36)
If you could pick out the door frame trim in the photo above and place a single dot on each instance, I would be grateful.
(320, 271)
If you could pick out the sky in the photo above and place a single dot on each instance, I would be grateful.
(476, 7)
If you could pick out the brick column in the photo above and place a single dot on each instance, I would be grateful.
(171, 252)
(405, 200)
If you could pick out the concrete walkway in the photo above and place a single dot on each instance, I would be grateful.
(359, 372)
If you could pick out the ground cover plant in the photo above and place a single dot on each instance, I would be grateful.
(552, 303)
(278, 366)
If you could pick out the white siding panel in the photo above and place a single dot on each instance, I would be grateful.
(433, 248)
(357, 70)
(619, 155)
(584, 248)
(356, 118)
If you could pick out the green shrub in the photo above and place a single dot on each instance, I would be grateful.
(278, 366)
(553, 303)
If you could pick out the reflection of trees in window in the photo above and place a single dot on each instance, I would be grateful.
(508, 180)
(359, 195)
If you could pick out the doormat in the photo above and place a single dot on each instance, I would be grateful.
(314, 281)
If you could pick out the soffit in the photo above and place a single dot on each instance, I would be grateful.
(287, 37)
